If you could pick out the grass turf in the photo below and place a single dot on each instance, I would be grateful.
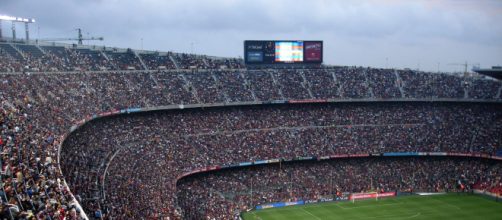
(450, 206)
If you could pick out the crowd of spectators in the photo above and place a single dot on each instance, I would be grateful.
(155, 61)
(53, 102)
(293, 84)
(37, 110)
(192, 61)
(432, 85)
(353, 82)
(219, 63)
(56, 59)
(382, 82)
(32, 186)
(59, 58)
(224, 194)
(483, 89)
(323, 84)
(165, 145)
(125, 60)
(235, 86)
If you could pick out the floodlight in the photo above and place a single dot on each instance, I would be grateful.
(7, 18)
(18, 19)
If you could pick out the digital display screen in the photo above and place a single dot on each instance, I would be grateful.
(313, 51)
(283, 52)
(255, 56)
(289, 52)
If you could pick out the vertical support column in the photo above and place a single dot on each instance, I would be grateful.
(1, 29)
(13, 30)
(27, 31)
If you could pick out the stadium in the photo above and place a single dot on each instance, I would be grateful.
(99, 132)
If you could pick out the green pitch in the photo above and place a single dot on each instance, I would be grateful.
(441, 207)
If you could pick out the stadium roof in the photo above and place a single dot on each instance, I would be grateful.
(495, 72)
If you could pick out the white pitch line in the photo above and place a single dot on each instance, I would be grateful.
(394, 216)
(414, 216)
(256, 216)
(340, 206)
(364, 206)
(451, 205)
(310, 214)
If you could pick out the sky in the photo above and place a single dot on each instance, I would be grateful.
(429, 35)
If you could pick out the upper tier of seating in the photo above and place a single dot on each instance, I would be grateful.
(44, 58)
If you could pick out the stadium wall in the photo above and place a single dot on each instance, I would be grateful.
(489, 195)
(344, 197)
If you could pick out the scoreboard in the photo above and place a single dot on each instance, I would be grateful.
(281, 52)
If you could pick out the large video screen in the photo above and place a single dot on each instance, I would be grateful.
(313, 51)
(289, 52)
(282, 52)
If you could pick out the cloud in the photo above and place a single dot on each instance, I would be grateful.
(348, 28)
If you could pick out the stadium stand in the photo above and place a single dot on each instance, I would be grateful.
(199, 139)
(223, 194)
(156, 61)
(108, 161)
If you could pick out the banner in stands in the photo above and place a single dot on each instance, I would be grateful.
(342, 196)
(279, 204)
(371, 195)
(245, 164)
(305, 158)
(359, 155)
(499, 153)
(348, 155)
(339, 156)
(459, 154)
(308, 101)
(324, 158)
(311, 201)
(274, 161)
(432, 154)
(493, 196)
(398, 154)
(320, 200)
(278, 101)
(104, 114)
(131, 110)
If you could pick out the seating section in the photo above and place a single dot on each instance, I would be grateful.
(235, 86)
(293, 84)
(51, 58)
(432, 85)
(124, 61)
(353, 82)
(383, 83)
(264, 86)
(154, 61)
(484, 89)
(323, 84)
(11, 51)
(30, 50)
